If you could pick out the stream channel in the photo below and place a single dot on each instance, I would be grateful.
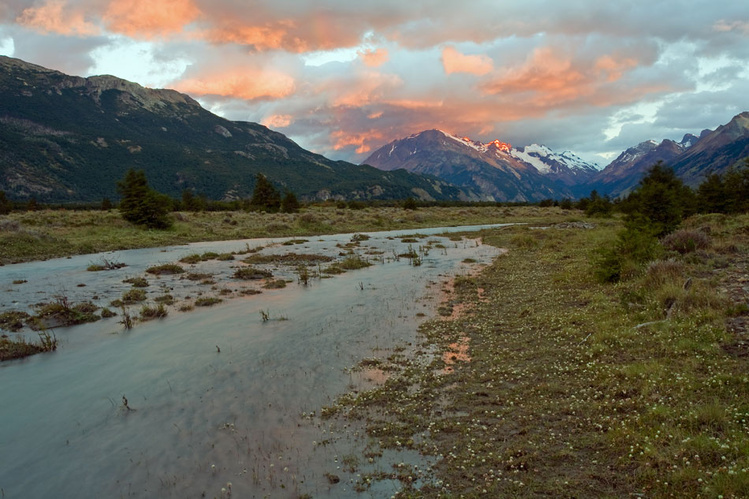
(222, 400)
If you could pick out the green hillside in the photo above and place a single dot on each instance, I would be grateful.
(65, 138)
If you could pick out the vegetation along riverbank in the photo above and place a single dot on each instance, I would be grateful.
(551, 381)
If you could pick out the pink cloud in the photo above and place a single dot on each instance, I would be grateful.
(241, 84)
(342, 139)
(148, 18)
(278, 121)
(374, 58)
(55, 16)
(455, 62)
(367, 88)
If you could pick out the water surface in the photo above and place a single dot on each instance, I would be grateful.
(216, 395)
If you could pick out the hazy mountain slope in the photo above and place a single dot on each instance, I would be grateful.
(715, 152)
(66, 138)
(495, 171)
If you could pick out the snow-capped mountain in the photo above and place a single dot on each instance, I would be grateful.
(622, 175)
(566, 167)
(493, 170)
(487, 170)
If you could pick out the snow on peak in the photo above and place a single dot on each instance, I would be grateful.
(479, 146)
(545, 160)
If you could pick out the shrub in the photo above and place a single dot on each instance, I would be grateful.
(191, 259)
(207, 301)
(13, 320)
(632, 248)
(133, 296)
(353, 262)
(252, 273)
(137, 282)
(142, 205)
(157, 312)
(66, 314)
(274, 284)
(686, 241)
(165, 299)
(661, 272)
(167, 268)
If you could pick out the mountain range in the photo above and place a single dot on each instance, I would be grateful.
(66, 138)
(497, 171)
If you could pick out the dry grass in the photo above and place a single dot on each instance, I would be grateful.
(570, 387)
(54, 233)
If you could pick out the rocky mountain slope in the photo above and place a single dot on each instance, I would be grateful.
(714, 151)
(494, 171)
(498, 171)
(66, 138)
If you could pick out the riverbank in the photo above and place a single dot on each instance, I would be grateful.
(553, 384)
(45, 234)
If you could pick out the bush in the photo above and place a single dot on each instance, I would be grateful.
(167, 268)
(142, 205)
(289, 203)
(207, 301)
(265, 196)
(158, 312)
(252, 273)
(353, 262)
(632, 248)
(686, 241)
(133, 296)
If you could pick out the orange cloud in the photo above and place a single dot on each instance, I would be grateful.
(723, 26)
(369, 88)
(455, 62)
(342, 139)
(278, 121)
(148, 18)
(614, 68)
(374, 58)
(55, 17)
(241, 84)
(271, 36)
(550, 78)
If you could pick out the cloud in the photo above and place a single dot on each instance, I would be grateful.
(530, 71)
(374, 58)
(455, 62)
(148, 19)
(55, 16)
(241, 84)
(362, 141)
(278, 121)
(365, 88)
(740, 26)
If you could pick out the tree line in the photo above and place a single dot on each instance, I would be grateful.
(660, 197)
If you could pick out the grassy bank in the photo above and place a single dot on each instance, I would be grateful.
(549, 383)
(54, 233)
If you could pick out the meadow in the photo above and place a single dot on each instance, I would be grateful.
(536, 378)
(542, 381)
(39, 235)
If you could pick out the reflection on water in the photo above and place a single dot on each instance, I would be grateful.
(215, 396)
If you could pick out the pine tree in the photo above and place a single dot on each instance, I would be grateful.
(289, 203)
(142, 205)
(5, 205)
(265, 196)
(661, 200)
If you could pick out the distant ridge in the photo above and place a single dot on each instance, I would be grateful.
(67, 138)
(494, 171)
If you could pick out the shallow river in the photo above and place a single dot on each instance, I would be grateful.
(216, 395)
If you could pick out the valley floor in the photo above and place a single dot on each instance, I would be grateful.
(40, 235)
(548, 383)
(536, 380)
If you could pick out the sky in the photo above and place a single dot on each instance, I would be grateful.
(342, 77)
